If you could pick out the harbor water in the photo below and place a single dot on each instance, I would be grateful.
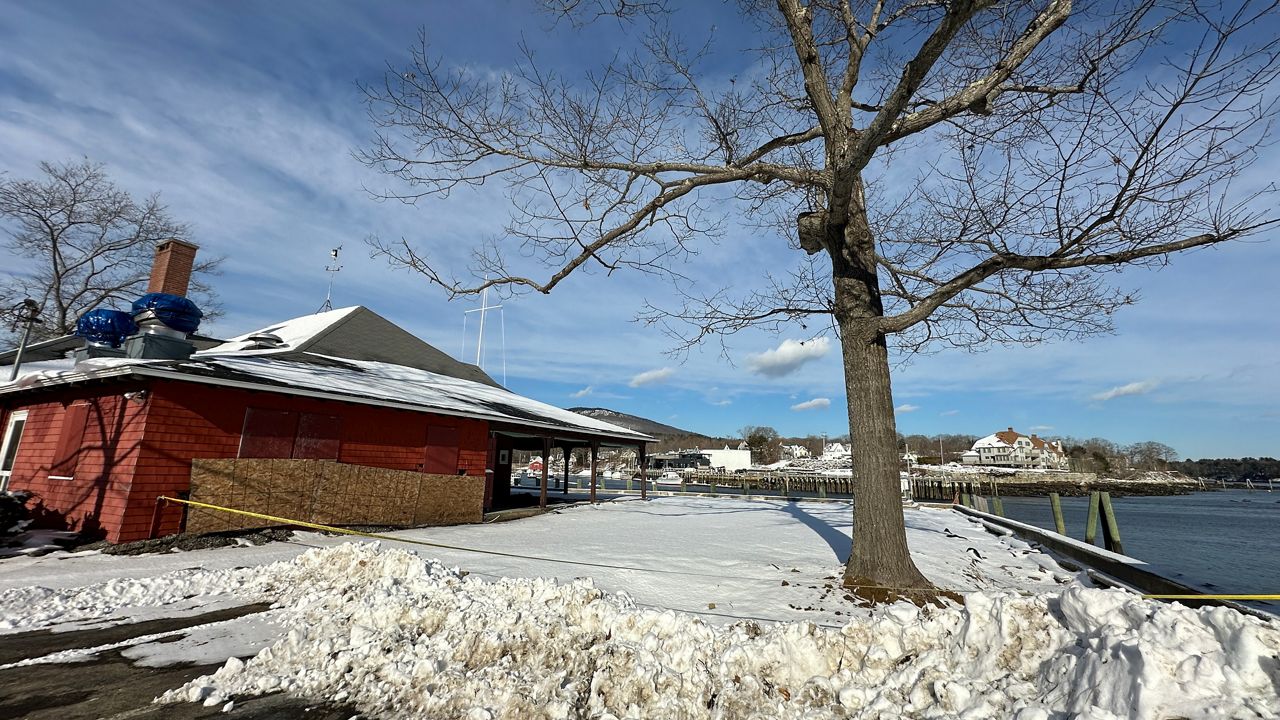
(1226, 541)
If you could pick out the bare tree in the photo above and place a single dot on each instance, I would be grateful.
(1150, 455)
(87, 243)
(1042, 146)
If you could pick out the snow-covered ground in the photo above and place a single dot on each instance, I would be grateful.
(695, 607)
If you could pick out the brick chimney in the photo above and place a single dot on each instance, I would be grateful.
(171, 270)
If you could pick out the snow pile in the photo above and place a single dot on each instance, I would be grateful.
(32, 607)
(400, 636)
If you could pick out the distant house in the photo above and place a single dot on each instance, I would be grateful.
(98, 436)
(794, 452)
(1010, 448)
(835, 448)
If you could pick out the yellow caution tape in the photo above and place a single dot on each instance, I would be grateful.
(1211, 597)
(411, 541)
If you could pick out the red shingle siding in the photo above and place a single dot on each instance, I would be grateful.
(135, 451)
(189, 420)
(96, 497)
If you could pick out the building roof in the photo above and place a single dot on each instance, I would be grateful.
(422, 378)
(356, 333)
(1007, 438)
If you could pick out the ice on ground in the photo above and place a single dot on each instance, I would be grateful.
(401, 636)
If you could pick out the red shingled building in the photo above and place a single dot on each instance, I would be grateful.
(97, 441)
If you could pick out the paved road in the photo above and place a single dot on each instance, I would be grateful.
(111, 686)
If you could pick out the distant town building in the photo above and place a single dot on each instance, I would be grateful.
(682, 460)
(835, 448)
(794, 452)
(728, 459)
(1010, 448)
(725, 460)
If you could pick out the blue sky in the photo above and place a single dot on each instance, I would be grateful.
(244, 116)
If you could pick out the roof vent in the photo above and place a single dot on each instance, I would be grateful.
(106, 327)
(266, 341)
(165, 321)
(166, 314)
(103, 330)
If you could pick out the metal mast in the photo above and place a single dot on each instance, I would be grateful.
(483, 309)
(332, 268)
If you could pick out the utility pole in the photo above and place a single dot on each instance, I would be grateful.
(26, 312)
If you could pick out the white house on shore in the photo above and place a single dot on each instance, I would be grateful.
(1010, 448)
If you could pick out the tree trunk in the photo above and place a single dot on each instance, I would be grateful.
(880, 558)
(880, 562)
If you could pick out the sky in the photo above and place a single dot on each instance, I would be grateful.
(245, 117)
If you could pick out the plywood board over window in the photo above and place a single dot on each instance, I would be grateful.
(70, 441)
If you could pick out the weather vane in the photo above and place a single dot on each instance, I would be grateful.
(332, 268)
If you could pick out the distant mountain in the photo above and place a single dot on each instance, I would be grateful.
(631, 422)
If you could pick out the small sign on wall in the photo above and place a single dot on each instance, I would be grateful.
(504, 457)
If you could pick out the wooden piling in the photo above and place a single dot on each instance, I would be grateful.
(1091, 524)
(1110, 528)
(1058, 523)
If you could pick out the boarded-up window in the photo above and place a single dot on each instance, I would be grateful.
(318, 437)
(442, 450)
(268, 433)
(70, 441)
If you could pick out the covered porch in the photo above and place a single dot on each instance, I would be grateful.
(506, 439)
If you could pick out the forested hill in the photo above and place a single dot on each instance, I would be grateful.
(631, 422)
(1230, 468)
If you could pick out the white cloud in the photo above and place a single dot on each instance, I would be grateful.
(949, 413)
(583, 392)
(720, 403)
(1134, 388)
(813, 404)
(906, 408)
(652, 377)
(788, 357)
(1040, 428)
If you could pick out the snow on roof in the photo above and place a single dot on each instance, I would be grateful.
(296, 333)
(289, 365)
(337, 378)
(992, 440)
(397, 383)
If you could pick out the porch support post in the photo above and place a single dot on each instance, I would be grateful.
(644, 472)
(546, 463)
(595, 453)
(565, 488)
